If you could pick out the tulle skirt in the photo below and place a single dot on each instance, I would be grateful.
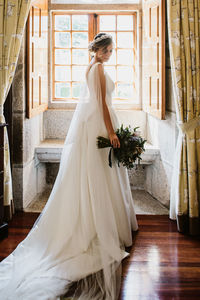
(81, 234)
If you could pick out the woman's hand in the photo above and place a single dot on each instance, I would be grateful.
(114, 140)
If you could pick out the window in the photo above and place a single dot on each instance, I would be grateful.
(71, 34)
(137, 65)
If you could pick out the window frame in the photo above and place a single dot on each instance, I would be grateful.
(93, 28)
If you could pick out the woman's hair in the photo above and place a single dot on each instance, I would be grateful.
(101, 40)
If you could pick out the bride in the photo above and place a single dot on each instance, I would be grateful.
(81, 234)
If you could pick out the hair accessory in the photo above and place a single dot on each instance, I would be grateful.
(103, 37)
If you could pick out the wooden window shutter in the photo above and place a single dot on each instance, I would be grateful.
(153, 57)
(37, 58)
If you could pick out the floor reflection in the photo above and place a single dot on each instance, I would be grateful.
(163, 263)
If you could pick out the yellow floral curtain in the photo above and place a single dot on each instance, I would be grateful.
(13, 15)
(184, 41)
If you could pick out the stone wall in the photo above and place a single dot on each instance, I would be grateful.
(57, 121)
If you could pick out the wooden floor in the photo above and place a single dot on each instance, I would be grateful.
(164, 264)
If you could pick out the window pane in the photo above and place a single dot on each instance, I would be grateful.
(80, 57)
(80, 40)
(114, 38)
(107, 23)
(62, 73)
(125, 74)
(36, 22)
(62, 57)
(79, 22)
(125, 57)
(62, 22)
(62, 90)
(119, 67)
(112, 60)
(78, 73)
(124, 22)
(76, 88)
(125, 39)
(44, 23)
(111, 72)
(62, 40)
(124, 90)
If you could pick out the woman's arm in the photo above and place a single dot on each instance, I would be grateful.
(112, 136)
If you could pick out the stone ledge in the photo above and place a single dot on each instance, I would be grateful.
(49, 151)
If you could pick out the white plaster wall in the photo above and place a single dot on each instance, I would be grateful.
(34, 179)
(34, 173)
(32, 135)
(163, 134)
(134, 118)
(156, 178)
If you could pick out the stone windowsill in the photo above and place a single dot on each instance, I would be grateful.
(50, 151)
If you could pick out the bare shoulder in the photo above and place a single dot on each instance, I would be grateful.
(100, 66)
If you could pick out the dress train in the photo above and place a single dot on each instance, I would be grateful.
(81, 234)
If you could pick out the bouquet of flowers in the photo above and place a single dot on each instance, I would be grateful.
(131, 146)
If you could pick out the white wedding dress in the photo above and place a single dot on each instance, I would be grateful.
(81, 234)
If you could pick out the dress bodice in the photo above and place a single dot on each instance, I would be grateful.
(92, 82)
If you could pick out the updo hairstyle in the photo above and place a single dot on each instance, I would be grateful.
(101, 40)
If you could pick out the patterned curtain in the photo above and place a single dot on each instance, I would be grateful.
(13, 15)
(184, 41)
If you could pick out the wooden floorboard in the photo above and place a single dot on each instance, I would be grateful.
(163, 263)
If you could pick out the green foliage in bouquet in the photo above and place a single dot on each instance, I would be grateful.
(131, 146)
